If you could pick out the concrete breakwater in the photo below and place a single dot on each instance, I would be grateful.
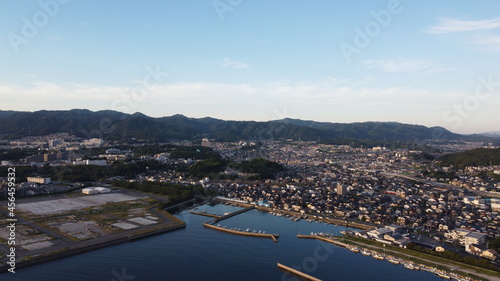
(204, 214)
(297, 273)
(89, 246)
(322, 239)
(334, 221)
(234, 214)
(243, 233)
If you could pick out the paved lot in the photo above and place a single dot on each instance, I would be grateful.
(37, 246)
(70, 204)
(142, 221)
(124, 225)
(82, 229)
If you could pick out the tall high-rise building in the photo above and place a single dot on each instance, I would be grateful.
(341, 189)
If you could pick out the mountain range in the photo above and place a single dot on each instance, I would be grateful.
(113, 125)
(492, 134)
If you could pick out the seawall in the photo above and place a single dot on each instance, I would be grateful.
(204, 214)
(339, 222)
(298, 273)
(234, 213)
(87, 248)
(243, 233)
(322, 239)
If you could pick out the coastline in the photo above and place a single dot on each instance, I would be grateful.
(114, 239)
(427, 264)
(338, 222)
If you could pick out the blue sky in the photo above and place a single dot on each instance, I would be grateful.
(418, 62)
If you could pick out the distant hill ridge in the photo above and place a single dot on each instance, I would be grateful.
(474, 157)
(113, 125)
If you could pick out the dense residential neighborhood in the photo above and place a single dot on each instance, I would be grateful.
(405, 195)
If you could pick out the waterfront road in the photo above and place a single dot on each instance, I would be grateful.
(433, 260)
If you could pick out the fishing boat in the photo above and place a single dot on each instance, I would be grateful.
(411, 266)
(442, 275)
(353, 249)
(366, 253)
(393, 261)
(378, 257)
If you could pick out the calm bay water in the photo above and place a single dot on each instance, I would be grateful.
(198, 253)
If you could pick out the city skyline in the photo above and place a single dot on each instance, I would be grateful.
(254, 60)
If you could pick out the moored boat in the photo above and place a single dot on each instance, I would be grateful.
(442, 275)
(393, 261)
(353, 249)
(411, 266)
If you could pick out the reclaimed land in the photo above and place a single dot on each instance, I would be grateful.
(169, 223)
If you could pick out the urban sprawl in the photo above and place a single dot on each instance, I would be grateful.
(391, 189)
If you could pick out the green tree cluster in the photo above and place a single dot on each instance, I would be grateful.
(207, 167)
(474, 157)
(264, 169)
(175, 192)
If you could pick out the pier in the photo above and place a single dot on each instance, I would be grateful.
(234, 214)
(211, 224)
(204, 214)
(335, 242)
(274, 237)
(297, 273)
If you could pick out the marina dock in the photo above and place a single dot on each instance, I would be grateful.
(392, 259)
(204, 214)
(234, 214)
(297, 273)
(212, 224)
(335, 242)
(274, 237)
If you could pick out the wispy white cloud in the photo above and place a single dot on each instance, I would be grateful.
(95, 97)
(484, 34)
(327, 100)
(31, 75)
(233, 64)
(448, 25)
(402, 65)
(490, 43)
